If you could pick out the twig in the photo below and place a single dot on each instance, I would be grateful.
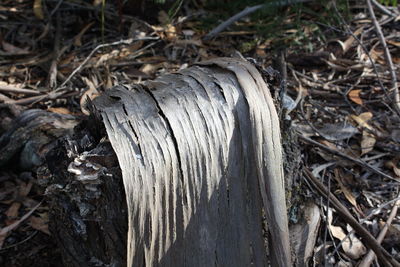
(387, 56)
(79, 68)
(56, 8)
(35, 99)
(4, 98)
(369, 240)
(372, 213)
(52, 74)
(247, 11)
(12, 89)
(364, 48)
(366, 261)
(6, 230)
(383, 9)
(21, 242)
(342, 155)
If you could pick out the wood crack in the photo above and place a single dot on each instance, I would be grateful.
(173, 138)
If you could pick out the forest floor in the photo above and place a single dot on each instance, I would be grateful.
(338, 82)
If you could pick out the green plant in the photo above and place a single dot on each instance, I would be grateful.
(388, 2)
(174, 9)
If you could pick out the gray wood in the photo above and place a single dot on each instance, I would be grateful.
(200, 155)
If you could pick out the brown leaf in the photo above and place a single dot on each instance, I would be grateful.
(6, 230)
(12, 212)
(367, 142)
(351, 245)
(13, 50)
(345, 190)
(348, 43)
(40, 224)
(97, 2)
(60, 110)
(150, 69)
(354, 96)
(91, 93)
(394, 43)
(392, 164)
(362, 119)
(78, 37)
(25, 188)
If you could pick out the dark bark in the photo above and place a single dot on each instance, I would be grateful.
(88, 214)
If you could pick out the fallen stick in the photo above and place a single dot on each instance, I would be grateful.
(16, 90)
(388, 57)
(126, 42)
(369, 240)
(247, 11)
(383, 9)
(342, 155)
(366, 261)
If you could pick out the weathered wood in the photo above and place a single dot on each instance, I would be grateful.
(31, 135)
(200, 155)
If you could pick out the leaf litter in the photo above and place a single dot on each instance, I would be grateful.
(339, 94)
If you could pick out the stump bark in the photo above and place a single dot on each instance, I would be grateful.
(180, 171)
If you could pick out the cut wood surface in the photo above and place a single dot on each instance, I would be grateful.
(200, 154)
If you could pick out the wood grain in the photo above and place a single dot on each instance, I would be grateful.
(201, 158)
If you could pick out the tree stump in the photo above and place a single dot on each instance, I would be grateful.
(197, 157)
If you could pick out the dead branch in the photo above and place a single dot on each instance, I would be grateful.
(370, 241)
(342, 155)
(127, 42)
(383, 9)
(16, 90)
(388, 57)
(366, 261)
(248, 11)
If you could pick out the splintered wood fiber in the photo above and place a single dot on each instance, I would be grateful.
(200, 155)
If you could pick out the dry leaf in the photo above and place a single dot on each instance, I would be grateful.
(338, 131)
(12, 212)
(13, 50)
(354, 96)
(37, 9)
(339, 177)
(60, 110)
(394, 43)
(6, 230)
(392, 164)
(304, 233)
(40, 224)
(362, 120)
(377, 55)
(171, 32)
(367, 142)
(90, 93)
(150, 69)
(97, 2)
(348, 43)
(351, 245)
(78, 37)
